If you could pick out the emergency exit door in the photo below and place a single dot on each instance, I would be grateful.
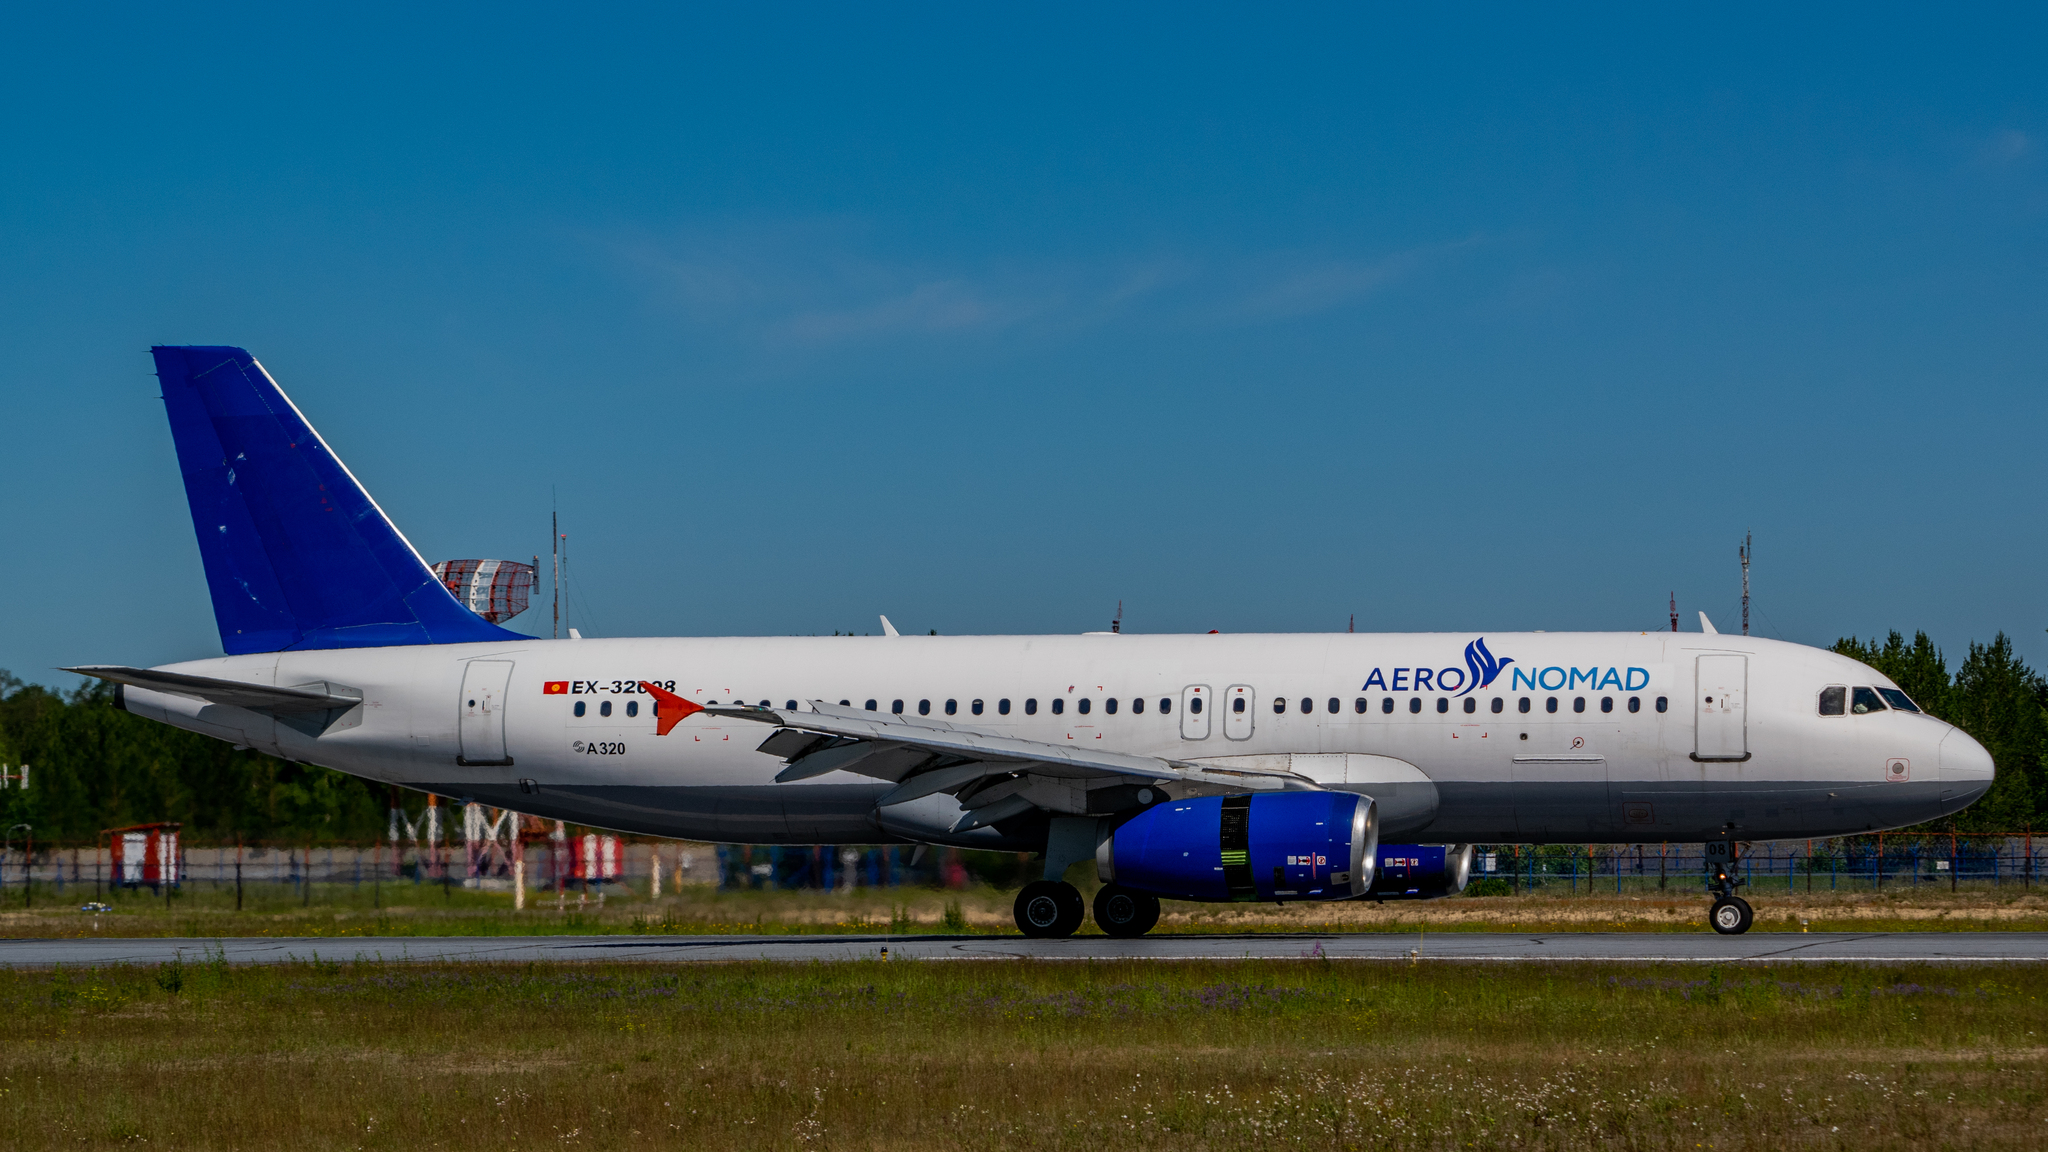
(482, 729)
(1720, 708)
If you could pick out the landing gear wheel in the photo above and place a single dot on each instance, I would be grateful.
(1050, 909)
(1122, 912)
(1730, 915)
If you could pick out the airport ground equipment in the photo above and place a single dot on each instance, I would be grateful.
(344, 650)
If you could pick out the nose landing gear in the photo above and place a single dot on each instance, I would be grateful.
(1730, 915)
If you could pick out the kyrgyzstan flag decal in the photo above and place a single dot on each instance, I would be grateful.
(555, 688)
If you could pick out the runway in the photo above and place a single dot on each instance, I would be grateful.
(1492, 947)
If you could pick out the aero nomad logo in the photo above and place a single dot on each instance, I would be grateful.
(1484, 667)
(1481, 670)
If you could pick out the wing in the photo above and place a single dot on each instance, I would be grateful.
(994, 777)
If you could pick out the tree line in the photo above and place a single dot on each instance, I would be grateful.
(95, 766)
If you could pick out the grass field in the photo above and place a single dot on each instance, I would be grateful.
(407, 909)
(908, 1055)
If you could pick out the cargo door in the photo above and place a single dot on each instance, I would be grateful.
(1720, 700)
(1194, 712)
(484, 686)
(1240, 704)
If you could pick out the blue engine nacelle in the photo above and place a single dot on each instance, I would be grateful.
(1421, 871)
(1261, 846)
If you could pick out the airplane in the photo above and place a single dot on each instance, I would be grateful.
(1295, 767)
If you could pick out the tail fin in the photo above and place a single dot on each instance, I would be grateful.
(297, 554)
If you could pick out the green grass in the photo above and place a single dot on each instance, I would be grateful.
(903, 1055)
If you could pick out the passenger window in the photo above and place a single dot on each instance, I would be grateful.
(1166, 705)
(1334, 706)
(605, 708)
(1031, 706)
(1635, 703)
(1498, 704)
(1387, 705)
(1898, 699)
(1137, 705)
(579, 707)
(976, 708)
(896, 707)
(1471, 705)
(1307, 705)
(844, 704)
(871, 705)
(952, 707)
(1524, 705)
(1237, 705)
(1085, 705)
(1359, 705)
(1578, 703)
(1279, 705)
(1443, 704)
(1194, 705)
(1863, 701)
(1414, 704)
(1663, 702)
(1834, 700)
(1550, 704)
(1003, 706)
(924, 707)
(1059, 705)
(1607, 703)
(632, 707)
(789, 706)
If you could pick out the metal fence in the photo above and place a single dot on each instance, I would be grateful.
(1860, 864)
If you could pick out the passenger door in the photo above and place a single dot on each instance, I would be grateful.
(482, 728)
(1240, 704)
(1194, 712)
(1720, 702)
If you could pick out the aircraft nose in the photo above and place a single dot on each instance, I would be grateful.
(1965, 762)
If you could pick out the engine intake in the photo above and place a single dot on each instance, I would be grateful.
(1421, 871)
(1257, 846)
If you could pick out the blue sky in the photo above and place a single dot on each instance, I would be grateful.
(1472, 320)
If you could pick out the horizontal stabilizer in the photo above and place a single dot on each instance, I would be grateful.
(234, 693)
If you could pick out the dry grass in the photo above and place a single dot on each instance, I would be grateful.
(1026, 1055)
(406, 909)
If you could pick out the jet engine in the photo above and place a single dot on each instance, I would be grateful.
(1421, 871)
(1259, 846)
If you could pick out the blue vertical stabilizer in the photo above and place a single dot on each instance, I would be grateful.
(297, 554)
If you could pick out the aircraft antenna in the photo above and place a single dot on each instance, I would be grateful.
(1744, 552)
(1353, 625)
(1116, 625)
(1674, 611)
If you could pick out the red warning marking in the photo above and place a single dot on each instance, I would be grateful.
(669, 708)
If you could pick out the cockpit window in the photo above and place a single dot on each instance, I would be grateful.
(1833, 700)
(1898, 699)
(1864, 700)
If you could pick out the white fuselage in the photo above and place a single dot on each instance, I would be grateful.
(1646, 741)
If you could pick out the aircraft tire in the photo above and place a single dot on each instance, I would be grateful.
(1730, 916)
(1122, 912)
(1050, 909)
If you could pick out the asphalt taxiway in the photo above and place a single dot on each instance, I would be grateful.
(1874, 947)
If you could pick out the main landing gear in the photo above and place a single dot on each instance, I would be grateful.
(1730, 915)
(1049, 909)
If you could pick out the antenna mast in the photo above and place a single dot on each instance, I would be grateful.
(1674, 611)
(1117, 625)
(1744, 553)
(555, 542)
